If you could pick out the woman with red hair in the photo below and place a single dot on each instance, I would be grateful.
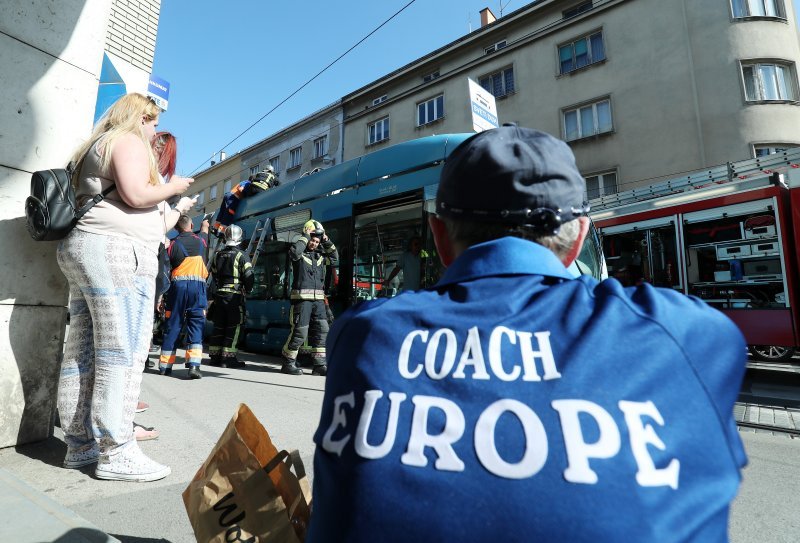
(166, 147)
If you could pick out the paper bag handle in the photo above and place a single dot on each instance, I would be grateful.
(272, 464)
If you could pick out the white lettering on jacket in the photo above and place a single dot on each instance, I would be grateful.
(512, 355)
(441, 348)
(580, 453)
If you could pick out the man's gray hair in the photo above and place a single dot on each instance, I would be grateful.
(471, 233)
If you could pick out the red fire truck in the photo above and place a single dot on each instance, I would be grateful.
(727, 235)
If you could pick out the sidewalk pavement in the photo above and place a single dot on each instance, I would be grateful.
(42, 502)
(190, 416)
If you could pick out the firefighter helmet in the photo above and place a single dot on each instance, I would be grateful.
(233, 235)
(316, 228)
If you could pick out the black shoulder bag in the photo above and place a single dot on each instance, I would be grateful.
(51, 210)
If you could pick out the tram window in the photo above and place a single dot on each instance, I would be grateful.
(590, 260)
(432, 267)
(379, 241)
(271, 273)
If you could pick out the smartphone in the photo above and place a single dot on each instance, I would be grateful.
(207, 216)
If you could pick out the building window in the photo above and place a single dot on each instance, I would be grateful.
(226, 187)
(499, 83)
(601, 184)
(295, 158)
(765, 82)
(212, 193)
(430, 76)
(201, 198)
(765, 149)
(320, 147)
(378, 131)
(430, 110)
(495, 47)
(275, 162)
(758, 8)
(587, 120)
(377, 101)
(254, 169)
(577, 10)
(582, 52)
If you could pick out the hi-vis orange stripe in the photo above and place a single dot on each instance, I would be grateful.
(192, 266)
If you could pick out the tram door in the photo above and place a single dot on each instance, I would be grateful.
(385, 236)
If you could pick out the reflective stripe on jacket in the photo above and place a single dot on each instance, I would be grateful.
(308, 268)
(232, 270)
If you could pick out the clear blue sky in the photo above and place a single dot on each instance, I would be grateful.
(229, 63)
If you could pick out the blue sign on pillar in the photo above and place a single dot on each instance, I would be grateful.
(158, 90)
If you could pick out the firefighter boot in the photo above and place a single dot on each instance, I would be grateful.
(216, 360)
(290, 367)
(320, 369)
(233, 362)
(194, 373)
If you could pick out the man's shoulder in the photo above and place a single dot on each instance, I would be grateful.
(660, 304)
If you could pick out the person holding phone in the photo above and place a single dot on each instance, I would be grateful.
(110, 260)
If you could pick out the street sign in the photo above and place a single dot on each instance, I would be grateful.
(484, 109)
(158, 90)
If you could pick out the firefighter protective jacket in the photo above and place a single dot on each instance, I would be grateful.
(308, 268)
(232, 270)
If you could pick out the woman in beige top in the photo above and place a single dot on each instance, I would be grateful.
(110, 261)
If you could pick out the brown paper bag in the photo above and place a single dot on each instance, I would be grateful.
(245, 490)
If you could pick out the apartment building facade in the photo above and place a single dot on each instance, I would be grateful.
(314, 142)
(641, 89)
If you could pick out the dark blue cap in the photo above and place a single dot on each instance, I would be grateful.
(513, 175)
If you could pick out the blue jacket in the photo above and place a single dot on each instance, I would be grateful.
(512, 402)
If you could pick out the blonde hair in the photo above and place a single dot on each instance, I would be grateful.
(124, 117)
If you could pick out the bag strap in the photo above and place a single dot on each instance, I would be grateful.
(96, 199)
(75, 170)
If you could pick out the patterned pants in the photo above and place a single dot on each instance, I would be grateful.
(112, 285)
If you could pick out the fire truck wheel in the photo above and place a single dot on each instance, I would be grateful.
(771, 353)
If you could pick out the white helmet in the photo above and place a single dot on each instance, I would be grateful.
(233, 235)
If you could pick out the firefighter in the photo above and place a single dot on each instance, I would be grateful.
(233, 277)
(311, 255)
(186, 298)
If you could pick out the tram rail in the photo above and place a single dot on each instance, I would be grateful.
(772, 418)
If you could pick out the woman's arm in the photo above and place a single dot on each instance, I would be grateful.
(181, 208)
(130, 165)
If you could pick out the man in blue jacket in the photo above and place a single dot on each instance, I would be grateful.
(514, 402)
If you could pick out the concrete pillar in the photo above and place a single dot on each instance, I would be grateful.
(50, 57)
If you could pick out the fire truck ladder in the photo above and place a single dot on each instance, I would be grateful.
(732, 172)
(254, 247)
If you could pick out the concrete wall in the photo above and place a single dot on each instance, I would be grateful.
(50, 58)
(672, 73)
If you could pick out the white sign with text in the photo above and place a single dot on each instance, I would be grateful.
(484, 109)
